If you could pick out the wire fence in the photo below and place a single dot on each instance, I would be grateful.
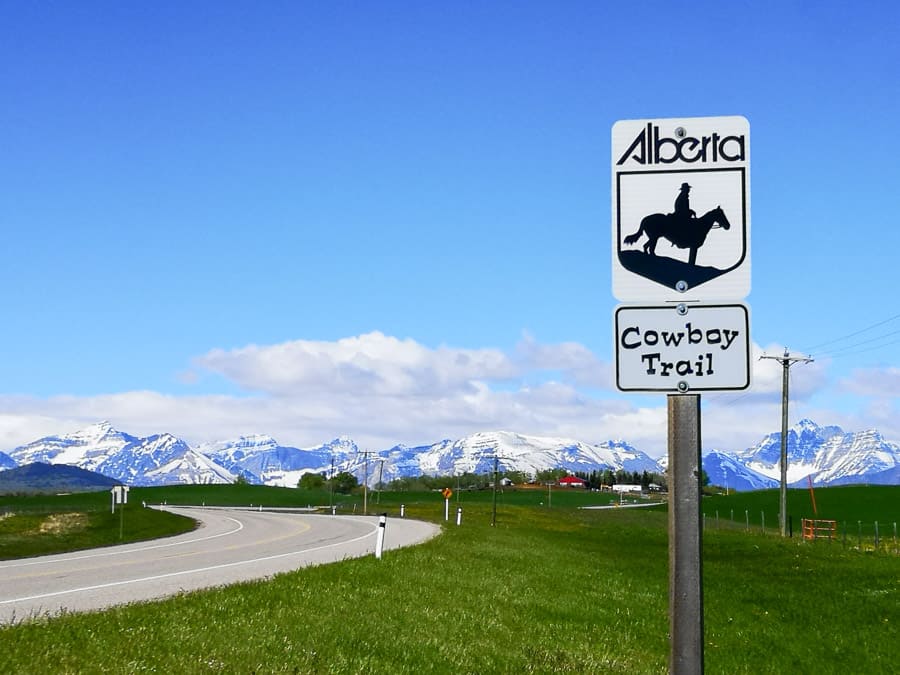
(858, 535)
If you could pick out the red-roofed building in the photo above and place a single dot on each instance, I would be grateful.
(572, 482)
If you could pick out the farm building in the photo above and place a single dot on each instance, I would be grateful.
(572, 481)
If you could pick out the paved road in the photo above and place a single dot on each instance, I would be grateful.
(230, 546)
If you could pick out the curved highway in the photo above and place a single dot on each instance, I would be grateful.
(229, 546)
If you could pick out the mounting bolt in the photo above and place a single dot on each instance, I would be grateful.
(683, 387)
(681, 286)
(681, 308)
(680, 132)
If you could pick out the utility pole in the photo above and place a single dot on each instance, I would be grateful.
(380, 471)
(494, 513)
(331, 486)
(365, 454)
(497, 459)
(786, 362)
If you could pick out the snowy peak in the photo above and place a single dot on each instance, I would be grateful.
(104, 449)
(476, 453)
(803, 441)
(260, 459)
(827, 455)
(189, 467)
(727, 471)
(86, 448)
(242, 446)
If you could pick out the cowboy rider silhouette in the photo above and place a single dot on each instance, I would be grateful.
(683, 211)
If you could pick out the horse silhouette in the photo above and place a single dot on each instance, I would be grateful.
(689, 234)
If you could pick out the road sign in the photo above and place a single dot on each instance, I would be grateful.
(682, 348)
(681, 209)
(447, 492)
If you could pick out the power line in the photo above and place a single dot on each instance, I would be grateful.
(853, 334)
(850, 350)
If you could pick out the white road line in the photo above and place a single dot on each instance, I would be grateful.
(183, 572)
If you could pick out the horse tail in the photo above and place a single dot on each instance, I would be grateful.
(632, 238)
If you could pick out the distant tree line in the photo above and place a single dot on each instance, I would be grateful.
(345, 482)
(595, 480)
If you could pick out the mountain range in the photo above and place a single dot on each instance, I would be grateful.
(826, 455)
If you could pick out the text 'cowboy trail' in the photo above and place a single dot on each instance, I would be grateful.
(633, 337)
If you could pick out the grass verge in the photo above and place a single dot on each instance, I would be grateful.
(546, 590)
(57, 526)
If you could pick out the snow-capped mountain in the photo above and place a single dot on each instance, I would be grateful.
(189, 467)
(7, 462)
(260, 459)
(828, 454)
(475, 454)
(132, 460)
(87, 448)
(728, 471)
(149, 461)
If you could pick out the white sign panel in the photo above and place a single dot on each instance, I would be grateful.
(681, 209)
(682, 348)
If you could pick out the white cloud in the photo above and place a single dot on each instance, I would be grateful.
(881, 383)
(371, 364)
(574, 361)
(381, 390)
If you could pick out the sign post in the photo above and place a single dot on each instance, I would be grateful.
(685, 536)
(681, 255)
(447, 493)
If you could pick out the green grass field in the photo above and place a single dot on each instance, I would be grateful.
(547, 590)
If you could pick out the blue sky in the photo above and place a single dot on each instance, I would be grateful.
(392, 220)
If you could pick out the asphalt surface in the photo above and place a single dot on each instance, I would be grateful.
(230, 546)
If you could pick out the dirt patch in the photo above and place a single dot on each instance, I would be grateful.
(62, 523)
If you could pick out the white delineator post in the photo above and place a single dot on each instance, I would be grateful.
(379, 541)
(459, 515)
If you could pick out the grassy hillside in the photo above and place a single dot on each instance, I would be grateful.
(41, 532)
(52, 478)
(546, 590)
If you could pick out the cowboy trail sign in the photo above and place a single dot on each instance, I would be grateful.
(681, 237)
(682, 348)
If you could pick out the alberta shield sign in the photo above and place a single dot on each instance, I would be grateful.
(681, 209)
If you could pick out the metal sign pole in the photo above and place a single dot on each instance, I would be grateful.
(685, 536)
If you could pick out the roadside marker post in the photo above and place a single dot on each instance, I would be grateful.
(120, 496)
(447, 493)
(459, 515)
(379, 541)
